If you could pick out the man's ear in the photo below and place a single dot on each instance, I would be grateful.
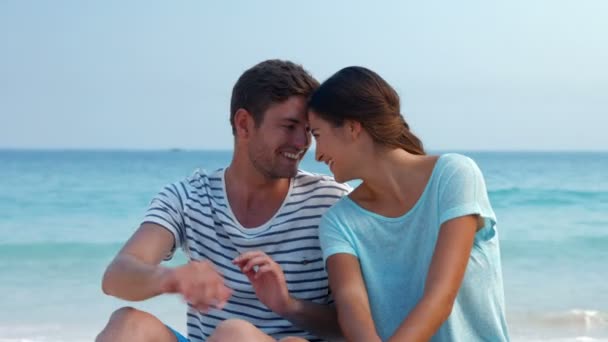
(243, 122)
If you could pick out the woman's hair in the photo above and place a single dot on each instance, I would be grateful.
(359, 94)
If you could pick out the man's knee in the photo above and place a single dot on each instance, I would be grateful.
(130, 324)
(128, 317)
(126, 314)
(236, 330)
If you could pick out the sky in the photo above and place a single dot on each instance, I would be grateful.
(472, 75)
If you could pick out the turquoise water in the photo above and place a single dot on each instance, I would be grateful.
(64, 214)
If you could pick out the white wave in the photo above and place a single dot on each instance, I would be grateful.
(40, 333)
(579, 325)
(561, 339)
(588, 319)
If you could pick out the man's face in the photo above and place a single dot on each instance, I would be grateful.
(278, 145)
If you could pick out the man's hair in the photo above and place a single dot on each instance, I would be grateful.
(271, 81)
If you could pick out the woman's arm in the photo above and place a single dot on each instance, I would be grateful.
(351, 299)
(443, 281)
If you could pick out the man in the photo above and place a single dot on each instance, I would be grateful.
(250, 231)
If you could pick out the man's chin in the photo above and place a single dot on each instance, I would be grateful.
(287, 172)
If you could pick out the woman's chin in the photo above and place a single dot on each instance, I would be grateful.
(336, 177)
(339, 178)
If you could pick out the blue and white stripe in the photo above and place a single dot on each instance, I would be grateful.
(195, 210)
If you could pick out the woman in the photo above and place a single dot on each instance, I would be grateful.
(412, 253)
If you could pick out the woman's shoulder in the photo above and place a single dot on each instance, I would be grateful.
(451, 163)
(456, 159)
(455, 168)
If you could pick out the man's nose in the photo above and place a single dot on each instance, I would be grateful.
(302, 138)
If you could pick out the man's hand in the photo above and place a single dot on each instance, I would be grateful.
(199, 283)
(268, 280)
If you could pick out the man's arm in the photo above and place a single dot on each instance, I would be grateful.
(271, 288)
(321, 320)
(135, 273)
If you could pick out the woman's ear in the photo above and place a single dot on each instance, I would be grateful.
(242, 123)
(354, 128)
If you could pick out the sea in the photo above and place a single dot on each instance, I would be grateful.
(64, 214)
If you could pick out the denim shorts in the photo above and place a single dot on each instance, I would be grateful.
(180, 337)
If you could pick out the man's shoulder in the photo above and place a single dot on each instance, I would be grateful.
(201, 178)
(309, 181)
(200, 182)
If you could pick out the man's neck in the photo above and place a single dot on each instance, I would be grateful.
(254, 198)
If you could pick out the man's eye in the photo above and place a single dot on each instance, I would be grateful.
(290, 127)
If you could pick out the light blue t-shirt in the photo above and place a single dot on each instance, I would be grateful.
(395, 253)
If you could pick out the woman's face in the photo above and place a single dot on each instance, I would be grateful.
(333, 147)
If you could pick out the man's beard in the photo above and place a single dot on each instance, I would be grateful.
(268, 164)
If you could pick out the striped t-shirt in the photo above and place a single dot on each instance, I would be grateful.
(196, 211)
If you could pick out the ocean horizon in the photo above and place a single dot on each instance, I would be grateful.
(64, 213)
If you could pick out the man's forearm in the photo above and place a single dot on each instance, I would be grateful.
(130, 279)
(319, 319)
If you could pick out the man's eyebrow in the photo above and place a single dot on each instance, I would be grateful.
(293, 120)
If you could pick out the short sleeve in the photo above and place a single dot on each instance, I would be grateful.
(167, 210)
(333, 236)
(463, 192)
